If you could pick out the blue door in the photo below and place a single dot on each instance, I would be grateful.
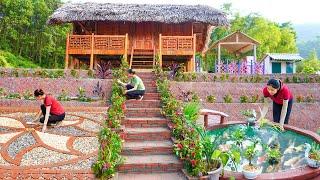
(289, 68)
(276, 67)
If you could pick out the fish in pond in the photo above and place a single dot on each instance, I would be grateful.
(299, 148)
(290, 149)
(292, 161)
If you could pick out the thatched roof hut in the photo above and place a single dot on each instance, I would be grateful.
(90, 11)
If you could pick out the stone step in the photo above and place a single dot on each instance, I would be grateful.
(150, 163)
(151, 176)
(151, 96)
(151, 90)
(143, 104)
(147, 134)
(145, 122)
(143, 112)
(147, 147)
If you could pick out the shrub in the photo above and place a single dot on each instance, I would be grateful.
(211, 99)
(97, 90)
(90, 73)
(244, 99)
(63, 96)
(74, 73)
(27, 95)
(13, 96)
(309, 98)
(299, 98)
(227, 98)
(14, 73)
(254, 98)
(104, 70)
(82, 95)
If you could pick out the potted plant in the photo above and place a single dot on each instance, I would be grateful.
(251, 171)
(251, 115)
(312, 155)
(273, 155)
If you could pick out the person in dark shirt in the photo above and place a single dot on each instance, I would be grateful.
(282, 99)
(51, 109)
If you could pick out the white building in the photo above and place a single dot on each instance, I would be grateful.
(280, 63)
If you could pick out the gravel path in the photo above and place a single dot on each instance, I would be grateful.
(86, 145)
(42, 156)
(20, 143)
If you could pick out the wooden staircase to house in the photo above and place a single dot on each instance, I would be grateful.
(148, 149)
(142, 58)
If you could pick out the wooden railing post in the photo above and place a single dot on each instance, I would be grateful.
(160, 50)
(125, 56)
(66, 64)
(91, 56)
(194, 53)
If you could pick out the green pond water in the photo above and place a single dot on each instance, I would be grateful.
(292, 146)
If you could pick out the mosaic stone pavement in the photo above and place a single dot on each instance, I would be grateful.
(66, 150)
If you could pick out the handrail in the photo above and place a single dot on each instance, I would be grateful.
(176, 43)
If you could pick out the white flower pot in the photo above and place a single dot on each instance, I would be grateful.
(214, 175)
(251, 174)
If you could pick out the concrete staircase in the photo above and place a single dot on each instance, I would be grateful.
(148, 148)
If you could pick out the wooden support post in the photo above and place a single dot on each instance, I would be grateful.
(126, 45)
(219, 58)
(206, 121)
(193, 62)
(66, 64)
(91, 56)
(160, 50)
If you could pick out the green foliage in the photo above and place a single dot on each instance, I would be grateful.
(90, 73)
(82, 95)
(244, 99)
(310, 65)
(24, 32)
(251, 152)
(227, 98)
(74, 73)
(211, 99)
(315, 151)
(8, 59)
(63, 96)
(273, 155)
(13, 96)
(27, 95)
(109, 154)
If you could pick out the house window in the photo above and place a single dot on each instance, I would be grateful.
(289, 69)
(276, 67)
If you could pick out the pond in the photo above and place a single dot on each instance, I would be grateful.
(290, 144)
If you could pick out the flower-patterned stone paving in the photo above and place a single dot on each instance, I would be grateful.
(66, 150)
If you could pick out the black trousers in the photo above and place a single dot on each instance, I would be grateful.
(277, 112)
(136, 94)
(52, 117)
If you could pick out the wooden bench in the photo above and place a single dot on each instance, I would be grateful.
(207, 112)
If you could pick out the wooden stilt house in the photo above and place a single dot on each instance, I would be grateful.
(137, 32)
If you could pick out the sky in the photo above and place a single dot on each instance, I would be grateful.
(295, 11)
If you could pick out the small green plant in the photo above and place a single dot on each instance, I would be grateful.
(244, 99)
(2, 92)
(299, 98)
(82, 95)
(211, 99)
(63, 96)
(254, 98)
(90, 73)
(27, 95)
(238, 136)
(273, 155)
(14, 73)
(250, 113)
(13, 96)
(315, 151)
(222, 77)
(215, 78)
(251, 152)
(227, 98)
(25, 73)
(309, 98)
(74, 73)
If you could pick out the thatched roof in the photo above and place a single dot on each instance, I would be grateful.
(90, 11)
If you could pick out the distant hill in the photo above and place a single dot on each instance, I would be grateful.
(306, 32)
(308, 38)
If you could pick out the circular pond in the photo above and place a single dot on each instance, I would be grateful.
(287, 163)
